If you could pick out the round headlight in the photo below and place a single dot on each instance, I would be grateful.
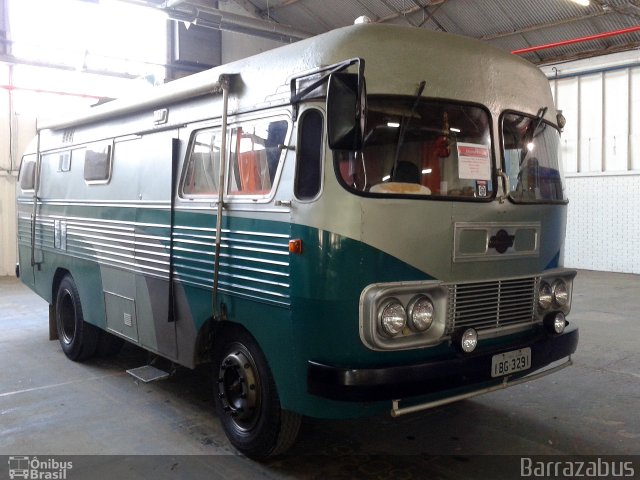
(469, 340)
(560, 293)
(393, 318)
(420, 314)
(545, 296)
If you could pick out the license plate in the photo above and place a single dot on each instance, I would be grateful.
(510, 362)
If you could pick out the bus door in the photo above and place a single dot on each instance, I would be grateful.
(139, 305)
(153, 250)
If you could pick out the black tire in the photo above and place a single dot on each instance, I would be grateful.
(246, 398)
(78, 338)
(109, 344)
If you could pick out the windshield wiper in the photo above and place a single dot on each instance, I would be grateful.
(405, 125)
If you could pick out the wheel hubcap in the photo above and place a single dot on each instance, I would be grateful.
(238, 388)
(67, 318)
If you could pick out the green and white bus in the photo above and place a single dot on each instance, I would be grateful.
(368, 220)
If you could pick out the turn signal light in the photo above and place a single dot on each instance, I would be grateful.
(295, 246)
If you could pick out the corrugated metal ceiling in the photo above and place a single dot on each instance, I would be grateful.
(506, 24)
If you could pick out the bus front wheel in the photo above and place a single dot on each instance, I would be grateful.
(246, 398)
(78, 338)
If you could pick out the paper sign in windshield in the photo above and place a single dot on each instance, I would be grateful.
(473, 161)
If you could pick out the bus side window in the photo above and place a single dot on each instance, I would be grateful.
(97, 164)
(28, 175)
(255, 156)
(309, 164)
(201, 175)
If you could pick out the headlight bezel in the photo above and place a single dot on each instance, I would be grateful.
(555, 278)
(376, 297)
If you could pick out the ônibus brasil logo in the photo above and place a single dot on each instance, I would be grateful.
(34, 469)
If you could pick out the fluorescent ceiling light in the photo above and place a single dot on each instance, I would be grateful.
(393, 124)
(584, 3)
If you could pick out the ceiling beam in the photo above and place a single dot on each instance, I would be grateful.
(276, 6)
(266, 13)
(425, 11)
(589, 54)
(431, 13)
(542, 26)
(283, 3)
(363, 6)
(249, 7)
(407, 11)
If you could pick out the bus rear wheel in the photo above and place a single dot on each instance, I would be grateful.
(78, 338)
(247, 401)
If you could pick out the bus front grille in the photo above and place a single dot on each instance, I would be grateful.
(492, 305)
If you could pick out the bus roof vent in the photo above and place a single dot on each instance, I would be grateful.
(67, 135)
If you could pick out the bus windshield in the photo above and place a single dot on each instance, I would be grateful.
(530, 149)
(422, 148)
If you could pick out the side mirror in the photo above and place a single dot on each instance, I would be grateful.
(346, 109)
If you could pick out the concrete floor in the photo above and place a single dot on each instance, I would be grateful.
(52, 406)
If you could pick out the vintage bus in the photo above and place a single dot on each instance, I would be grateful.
(367, 220)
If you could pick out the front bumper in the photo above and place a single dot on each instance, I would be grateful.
(390, 383)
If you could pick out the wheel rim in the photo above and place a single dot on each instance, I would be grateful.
(238, 388)
(67, 315)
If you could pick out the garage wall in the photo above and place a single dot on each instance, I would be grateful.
(22, 128)
(17, 126)
(236, 46)
(602, 226)
(7, 180)
(600, 150)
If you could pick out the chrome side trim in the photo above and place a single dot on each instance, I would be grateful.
(237, 232)
(397, 411)
(156, 205)
(254, 265)
(205, 263)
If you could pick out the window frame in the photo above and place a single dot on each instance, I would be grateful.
(263, 198)
(435, 198)
(185, 167)
(234, 122)
(503, 163)
(108, 144)
(322, 154)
